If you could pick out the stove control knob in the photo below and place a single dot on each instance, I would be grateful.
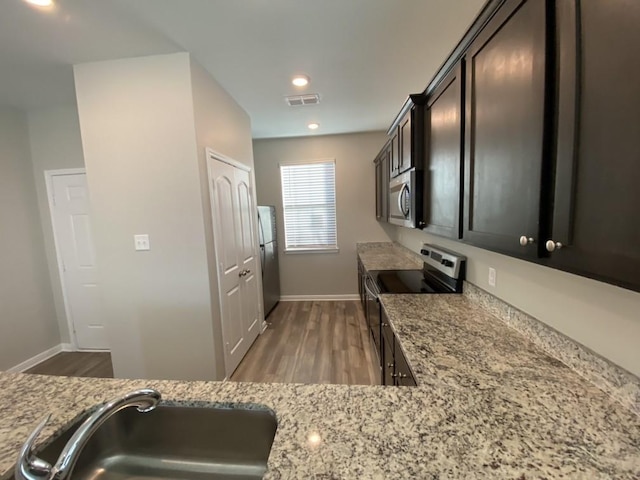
(447, 263)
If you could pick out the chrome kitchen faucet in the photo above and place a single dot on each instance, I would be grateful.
(30, 467)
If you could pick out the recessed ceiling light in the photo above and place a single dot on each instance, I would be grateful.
(313, 126)
(40, 3)
(300, 80)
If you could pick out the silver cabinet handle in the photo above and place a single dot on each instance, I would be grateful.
(524, 240)
(551, 245)
(244, 273)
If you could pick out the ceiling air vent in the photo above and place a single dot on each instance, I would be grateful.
(300, 100)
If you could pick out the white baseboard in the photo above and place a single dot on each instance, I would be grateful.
(41, 357)
(33, 361)
(320, 298)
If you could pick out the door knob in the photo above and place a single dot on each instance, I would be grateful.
(524, 240)
(551, 245)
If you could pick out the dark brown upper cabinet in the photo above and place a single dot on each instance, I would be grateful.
(444, 157)
(596, 205)
(505, 142)
(382, 168)
(407, 132)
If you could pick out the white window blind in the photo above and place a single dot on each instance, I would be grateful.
(309, 203)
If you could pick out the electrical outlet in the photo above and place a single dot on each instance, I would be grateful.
(141, 242)
(492, 277)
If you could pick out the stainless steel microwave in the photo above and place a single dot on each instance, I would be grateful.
(405, 199)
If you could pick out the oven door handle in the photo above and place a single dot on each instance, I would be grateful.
(368, 289)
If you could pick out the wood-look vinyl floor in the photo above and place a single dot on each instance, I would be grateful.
(76, 364)
(312, 342)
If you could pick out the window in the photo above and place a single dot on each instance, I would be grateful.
(309, 204)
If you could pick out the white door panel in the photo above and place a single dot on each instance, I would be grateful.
(72, 226)
(236, 249)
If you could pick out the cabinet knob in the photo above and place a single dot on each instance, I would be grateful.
(394, 375)
(385, 324)
(390, 365)
(402, 375)
(524, 240)
(422, 224)
(551, 245)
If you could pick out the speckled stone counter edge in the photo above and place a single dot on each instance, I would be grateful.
(610, 378)
(399, 248)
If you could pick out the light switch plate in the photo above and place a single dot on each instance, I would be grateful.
(492, 277)
(141, 242)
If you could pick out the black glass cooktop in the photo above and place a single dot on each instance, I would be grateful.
(408, 281)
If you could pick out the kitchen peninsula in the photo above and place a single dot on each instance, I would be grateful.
(489, 404)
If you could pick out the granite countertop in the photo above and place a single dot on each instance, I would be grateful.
(488, 404)
(387, 256)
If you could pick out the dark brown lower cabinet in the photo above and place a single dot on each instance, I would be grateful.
(404, 377)
(596, 208)
(395, 367)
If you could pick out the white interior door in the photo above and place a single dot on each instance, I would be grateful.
(248, 259)
(236, 247)
(74, 243)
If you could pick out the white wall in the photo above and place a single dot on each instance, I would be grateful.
(139, 141)
(602, 317)
(222, 125)
(325, 273)
(54, 137)
(28, 323)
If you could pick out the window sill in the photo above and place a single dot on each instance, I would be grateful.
(297, 251)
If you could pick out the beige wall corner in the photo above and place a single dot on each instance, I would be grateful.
(138, 136)
(222, 125)
(28, 324)
(325, 273)
(54, 137)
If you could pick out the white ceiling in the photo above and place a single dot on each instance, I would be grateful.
(363, 56)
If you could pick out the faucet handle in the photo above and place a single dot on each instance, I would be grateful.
(30, 467)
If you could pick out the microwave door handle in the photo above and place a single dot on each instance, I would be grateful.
(400, 200)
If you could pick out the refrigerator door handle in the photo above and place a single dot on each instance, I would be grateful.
(262, 259)
(261, 239)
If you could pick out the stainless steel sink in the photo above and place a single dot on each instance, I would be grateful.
(175, 442)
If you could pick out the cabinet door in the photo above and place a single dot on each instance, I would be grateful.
(443, 159)
(378, 165)
(404, 377)
(405, 136)
(394, 156)
(596, 214)
(388, 347)
(505, 109)
(382, 183)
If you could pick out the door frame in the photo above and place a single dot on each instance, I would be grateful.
(48, 180)
(210, 155)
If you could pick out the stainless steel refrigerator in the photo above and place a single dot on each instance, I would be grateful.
(269, 257)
